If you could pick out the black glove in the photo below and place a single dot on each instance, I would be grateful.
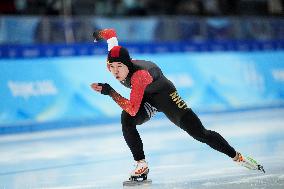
(96, 35)
(106, 88)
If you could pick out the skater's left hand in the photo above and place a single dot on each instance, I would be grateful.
(103, 88)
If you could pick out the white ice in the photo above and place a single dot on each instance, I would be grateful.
(97, 156)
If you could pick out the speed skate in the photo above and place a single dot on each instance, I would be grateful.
(138, 180)
(249, 163)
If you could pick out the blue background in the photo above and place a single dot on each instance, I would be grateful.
(208, 82)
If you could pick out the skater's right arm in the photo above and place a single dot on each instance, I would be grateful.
(140, 80)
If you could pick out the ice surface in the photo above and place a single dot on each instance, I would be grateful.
(97, 157)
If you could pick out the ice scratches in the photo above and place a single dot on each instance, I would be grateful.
(74, 187)
(255, 178)
(267, 181)
(281, 177)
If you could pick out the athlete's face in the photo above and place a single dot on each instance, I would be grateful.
(118, 70)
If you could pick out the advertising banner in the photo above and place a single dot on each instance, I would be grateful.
(41, 90)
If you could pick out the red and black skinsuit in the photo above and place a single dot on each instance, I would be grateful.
(151, 91)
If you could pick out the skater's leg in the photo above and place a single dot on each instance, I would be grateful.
(172, 105)
(193, 126)
(178, 112)
(176, 109)
(131, 134)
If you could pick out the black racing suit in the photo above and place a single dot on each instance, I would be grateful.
(161, 95)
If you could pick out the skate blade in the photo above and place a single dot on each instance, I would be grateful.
(137, 183)
(254, 167)
(260, 167)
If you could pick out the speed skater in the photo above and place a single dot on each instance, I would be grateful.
(152, 92)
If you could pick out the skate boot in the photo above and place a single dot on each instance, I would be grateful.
(139, 175)
(140, 172)
(248, 162)
(104, 34)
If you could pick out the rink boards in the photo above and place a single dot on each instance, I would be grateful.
(50, 93)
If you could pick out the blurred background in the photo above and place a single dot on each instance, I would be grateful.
(70, 21)
(225, 57)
